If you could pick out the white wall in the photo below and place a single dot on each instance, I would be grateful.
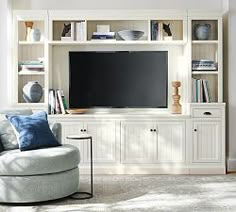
(230, 85)
(5, 24)
(120, 4)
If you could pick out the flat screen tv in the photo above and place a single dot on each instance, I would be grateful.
(136, 79)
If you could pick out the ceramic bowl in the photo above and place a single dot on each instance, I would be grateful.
(130, 34)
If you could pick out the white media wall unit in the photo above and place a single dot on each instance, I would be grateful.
(128, 140)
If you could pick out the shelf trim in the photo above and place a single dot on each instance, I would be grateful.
(177, 42)
(204, 72)
(31, 42)
(205, 42)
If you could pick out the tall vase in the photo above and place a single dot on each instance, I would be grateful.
(28, 25)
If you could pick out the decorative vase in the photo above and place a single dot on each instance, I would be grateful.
(202, 31)
(32, 92)
(28, 25)
(35, 35)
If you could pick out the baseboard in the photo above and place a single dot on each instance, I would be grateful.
(231, 165)
(127, 169)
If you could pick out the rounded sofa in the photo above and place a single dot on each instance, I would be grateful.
(39, 175)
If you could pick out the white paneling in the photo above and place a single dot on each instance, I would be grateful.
(138, 143)
(73, 129)
(30, 52)
(171, 142)
(207, 143)
(104, 141)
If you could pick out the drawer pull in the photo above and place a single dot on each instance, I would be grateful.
(207, 113)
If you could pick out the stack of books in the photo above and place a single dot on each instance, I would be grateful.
(200, 91)
(103, 36)
(56, 102)
(37, 66)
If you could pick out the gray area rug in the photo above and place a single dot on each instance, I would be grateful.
(147, 193)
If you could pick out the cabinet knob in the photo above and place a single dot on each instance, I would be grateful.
(154, 130)
(151, 130)
(84, 130)
(195, 130)
(81, 130)
(207, 113)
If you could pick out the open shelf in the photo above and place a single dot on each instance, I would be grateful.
(158, 33)
(213, 29)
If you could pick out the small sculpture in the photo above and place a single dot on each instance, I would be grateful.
(66, 29)
(166, 28)
(176, 106)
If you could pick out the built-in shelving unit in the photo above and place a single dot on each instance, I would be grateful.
(208, 49)
(189, 143)
(26, 50)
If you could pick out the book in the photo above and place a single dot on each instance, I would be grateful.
(80, 29)
(154, 32)
(102, 37)
(57, 104)
(61, 105)
(105, 33)
(51, 102)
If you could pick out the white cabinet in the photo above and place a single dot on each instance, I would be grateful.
(207, 142)
(138, 142)
(153, 142)
(171, 142)
(104, 139)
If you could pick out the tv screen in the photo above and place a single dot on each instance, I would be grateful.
(137, 79)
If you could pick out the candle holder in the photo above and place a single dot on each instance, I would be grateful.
(28, 25)
(176, 106)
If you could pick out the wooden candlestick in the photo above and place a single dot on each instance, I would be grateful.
(28, 25)
(176, 106)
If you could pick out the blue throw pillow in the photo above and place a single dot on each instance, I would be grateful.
(34, 131)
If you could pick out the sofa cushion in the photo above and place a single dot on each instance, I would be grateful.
(40, 161)
(34, 131)
(7, 134)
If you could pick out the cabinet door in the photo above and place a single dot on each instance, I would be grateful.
(104, 141)
(207, 141)
(171, 142)
(73, 128)
(138, 143)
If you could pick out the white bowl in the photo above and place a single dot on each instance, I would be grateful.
(130, 34)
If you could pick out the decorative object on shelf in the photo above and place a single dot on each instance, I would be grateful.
(32, 92)
(167, 30)
(176, 106)
(35, 34)
(202, 31)
(29, 25)
(130, 34)
(77, 110)
(68, 32)
(204, 65)
(103, 28)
